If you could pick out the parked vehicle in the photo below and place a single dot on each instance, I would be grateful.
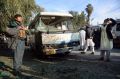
(116, 41)
(51, 34)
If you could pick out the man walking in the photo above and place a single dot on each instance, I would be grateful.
(89, 40)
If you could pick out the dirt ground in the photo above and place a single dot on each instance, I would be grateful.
(74, 66)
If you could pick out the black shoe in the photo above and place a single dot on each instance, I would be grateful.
(101, 59)
(83, 52)
(92, 53)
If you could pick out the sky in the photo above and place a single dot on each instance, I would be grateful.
(102, 8)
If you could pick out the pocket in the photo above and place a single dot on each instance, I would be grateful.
(21, 34)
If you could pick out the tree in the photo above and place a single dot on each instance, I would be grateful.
(78, 20)
(82, 19)
(75, 18)
(8, 8)
(89, 11)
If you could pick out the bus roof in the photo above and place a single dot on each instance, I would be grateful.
(61, 14)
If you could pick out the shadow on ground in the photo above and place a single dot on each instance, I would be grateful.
(70, 67)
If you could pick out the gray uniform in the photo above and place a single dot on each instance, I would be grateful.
(18, 46)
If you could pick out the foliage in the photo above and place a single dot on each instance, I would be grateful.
(89, 10)
(8, 8)
(82, 19)
(75, 18)
(78, 20)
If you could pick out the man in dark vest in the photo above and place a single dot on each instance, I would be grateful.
(89, 39)
(18, 45)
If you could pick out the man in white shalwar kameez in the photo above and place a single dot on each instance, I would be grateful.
(82, 34)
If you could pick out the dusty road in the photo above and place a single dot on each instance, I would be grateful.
(74, 66)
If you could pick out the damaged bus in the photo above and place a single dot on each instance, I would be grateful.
(52, 34)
